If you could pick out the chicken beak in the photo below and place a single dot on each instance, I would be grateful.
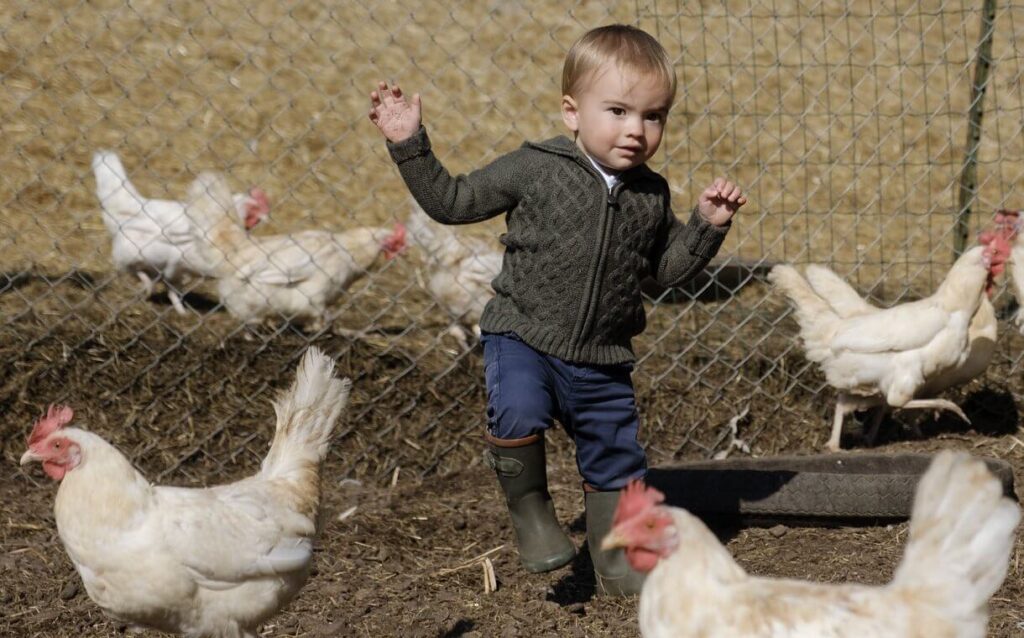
(28, 457)
(613, 540)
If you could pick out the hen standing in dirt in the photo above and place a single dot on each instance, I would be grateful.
(461, 272)
(152, 238)
(587, 221)
(900, 356)
(207, 563)
(292, 277)
(961, 536)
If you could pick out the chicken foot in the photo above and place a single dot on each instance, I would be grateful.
(917, 404)
(148, 286)
(847, 404)
(147, 283)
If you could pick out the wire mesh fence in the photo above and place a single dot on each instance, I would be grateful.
(846, 123)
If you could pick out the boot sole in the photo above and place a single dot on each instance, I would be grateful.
(614, 589)
(548, 564)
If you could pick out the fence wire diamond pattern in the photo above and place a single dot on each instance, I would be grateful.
(846, 124)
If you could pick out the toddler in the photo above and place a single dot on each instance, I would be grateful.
(587, 221)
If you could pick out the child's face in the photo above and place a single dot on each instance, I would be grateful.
(618, 120)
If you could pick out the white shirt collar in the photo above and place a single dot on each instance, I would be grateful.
(611, 179)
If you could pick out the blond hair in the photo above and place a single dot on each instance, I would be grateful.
(632, 49)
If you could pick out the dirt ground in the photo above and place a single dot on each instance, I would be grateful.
(401, 566)
(845, 125)
(406, 562)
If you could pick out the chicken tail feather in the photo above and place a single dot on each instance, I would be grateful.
(816, 317)
(840, 295)
(118, 197)
(306, 415)
(961, 536)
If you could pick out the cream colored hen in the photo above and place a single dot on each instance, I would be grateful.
(461, 269)
(981, 337)
(208, 563)
(292, 277)
(890, 356)
(152, 238)
(961, 536)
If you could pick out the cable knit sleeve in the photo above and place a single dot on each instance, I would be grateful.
(463, 199)
(683, 250)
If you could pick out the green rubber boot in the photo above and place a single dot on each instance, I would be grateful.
(612, 572)
(522, 474)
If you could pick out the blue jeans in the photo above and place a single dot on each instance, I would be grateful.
(528, 390)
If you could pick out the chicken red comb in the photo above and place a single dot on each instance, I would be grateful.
(635, 499)
(57, 416)
(1008, 224)
(260, 196)
(395, 242)
(399, 232)
(258, 209)
(997, 247)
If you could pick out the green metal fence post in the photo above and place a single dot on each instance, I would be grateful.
(969, 174)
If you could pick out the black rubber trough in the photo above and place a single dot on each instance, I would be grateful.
(814, 489)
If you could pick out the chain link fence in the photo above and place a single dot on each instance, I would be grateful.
(848, 125)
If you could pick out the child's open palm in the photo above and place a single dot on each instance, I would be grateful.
(720, 201)
(396, 118)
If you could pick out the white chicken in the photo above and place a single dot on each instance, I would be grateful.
(957, 555)
(211, 563)
(1012, 218)
(892, 355)
(293, 277)
(981, 338)
(461, 270)
(151, 238)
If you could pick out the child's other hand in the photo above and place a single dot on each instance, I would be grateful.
(720, 201)
(396, 118)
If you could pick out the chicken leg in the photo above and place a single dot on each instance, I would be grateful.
(147, 283)
(175, 298)
(848, 404)
(917, 404)
(459, 334)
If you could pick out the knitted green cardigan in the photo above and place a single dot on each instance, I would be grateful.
(575, 253)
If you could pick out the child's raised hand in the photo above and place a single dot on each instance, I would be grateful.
(720, 201)
(396, 118)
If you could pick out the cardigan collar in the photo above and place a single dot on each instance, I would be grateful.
(562, 145)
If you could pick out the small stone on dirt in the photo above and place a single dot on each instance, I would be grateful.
(778, 531)
(70, 591)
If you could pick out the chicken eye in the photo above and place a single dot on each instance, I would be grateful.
(651, 525)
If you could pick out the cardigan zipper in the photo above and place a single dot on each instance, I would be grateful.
(591, 299)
